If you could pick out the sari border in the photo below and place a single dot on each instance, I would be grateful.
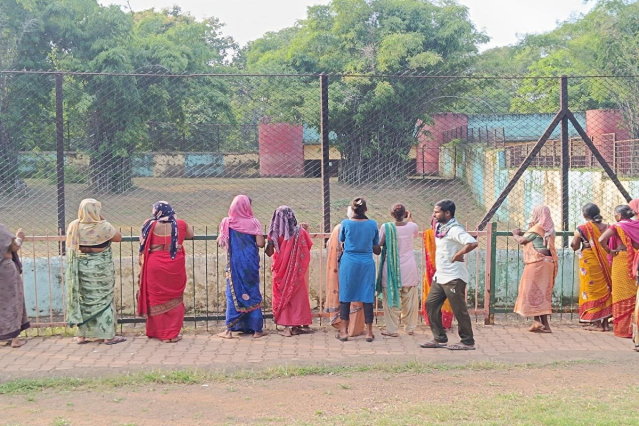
(166, 306)
(16, 333)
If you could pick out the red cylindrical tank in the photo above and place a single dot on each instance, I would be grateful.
(605, 126)
(281, 149)
(431, 139)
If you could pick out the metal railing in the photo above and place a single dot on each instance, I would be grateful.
(506, 260)
(204, 297)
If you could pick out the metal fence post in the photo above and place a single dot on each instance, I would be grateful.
(326, 188)
(59, 127)
(489, 277)
(565, 160)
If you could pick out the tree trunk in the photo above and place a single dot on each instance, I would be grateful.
(10, 182)
(387, 163)
(108, 172)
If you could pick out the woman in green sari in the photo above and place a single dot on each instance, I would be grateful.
(90, 277)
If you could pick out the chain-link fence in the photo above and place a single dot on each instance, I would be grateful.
(197, 141)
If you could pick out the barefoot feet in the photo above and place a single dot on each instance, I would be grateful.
(16, 343)
(226, 334)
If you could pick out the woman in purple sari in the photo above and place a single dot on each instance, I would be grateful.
(13, 311)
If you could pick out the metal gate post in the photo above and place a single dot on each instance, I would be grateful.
(326, 188)
(565, 160)
(59, 133)
(489, 277)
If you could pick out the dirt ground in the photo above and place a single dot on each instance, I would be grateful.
(358, 398)
(204, 202)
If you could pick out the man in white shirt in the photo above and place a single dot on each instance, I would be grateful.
(452, 243)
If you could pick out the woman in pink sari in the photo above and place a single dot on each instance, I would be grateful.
(241, 235)
(622, 241)
(290, 246)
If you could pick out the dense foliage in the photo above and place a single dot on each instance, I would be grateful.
(375, 119)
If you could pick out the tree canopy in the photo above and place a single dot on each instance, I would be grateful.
(369, 38)
(363, 45)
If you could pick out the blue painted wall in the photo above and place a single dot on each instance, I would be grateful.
(521, 127)
(203, 165)
(43, 287)
(142, 165)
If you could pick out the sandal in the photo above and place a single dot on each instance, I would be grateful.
(80, 342)
(116, 340)
(174, 340)
(387, 334)
(341, 339)
(433, 344)
(542, 330)
(370, 339)
(460, 347)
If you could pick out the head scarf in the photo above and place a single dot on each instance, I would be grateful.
(634, 205)
(6, 239)
(240, 219)
(541, 216)
(162, 212)
(441, 229)
(89, 229)
(283, 224)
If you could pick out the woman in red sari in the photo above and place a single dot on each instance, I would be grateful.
(163, 273)
(290, 246)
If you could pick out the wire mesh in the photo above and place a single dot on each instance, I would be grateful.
(197, 141)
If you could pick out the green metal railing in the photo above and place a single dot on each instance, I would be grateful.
(506, 265)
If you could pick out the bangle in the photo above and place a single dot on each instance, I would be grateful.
(19, 241)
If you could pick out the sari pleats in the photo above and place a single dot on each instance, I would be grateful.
(538, 279)
(243, 296)
(13, 311)
(429, 273)
(595, 278)
(90, 281)
(291, 305)
(624, 294)
(356, 322)
(162, 284)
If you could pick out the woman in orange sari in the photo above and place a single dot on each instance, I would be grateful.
(429, 273)
(541, 264)
(290, 246)
(356, 323)
(634, 205)
(595, 275)
(622, 241)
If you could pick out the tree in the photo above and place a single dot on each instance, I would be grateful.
(114, 111)
(376, 119)
(21, 116)
(603, 42)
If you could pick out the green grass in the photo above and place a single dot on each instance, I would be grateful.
(197, 376)
(600, 408)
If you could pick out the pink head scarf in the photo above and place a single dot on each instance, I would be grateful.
(240, 219)
(541, 216)
(634, 205)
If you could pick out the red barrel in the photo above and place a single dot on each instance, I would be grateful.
(431, 139)
(281, 150)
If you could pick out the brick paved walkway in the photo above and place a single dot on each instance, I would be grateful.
(43, 356)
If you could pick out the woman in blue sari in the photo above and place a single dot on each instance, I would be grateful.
(242, 236)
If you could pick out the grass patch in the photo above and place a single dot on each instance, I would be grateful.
(197, 376)
(617, 407)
